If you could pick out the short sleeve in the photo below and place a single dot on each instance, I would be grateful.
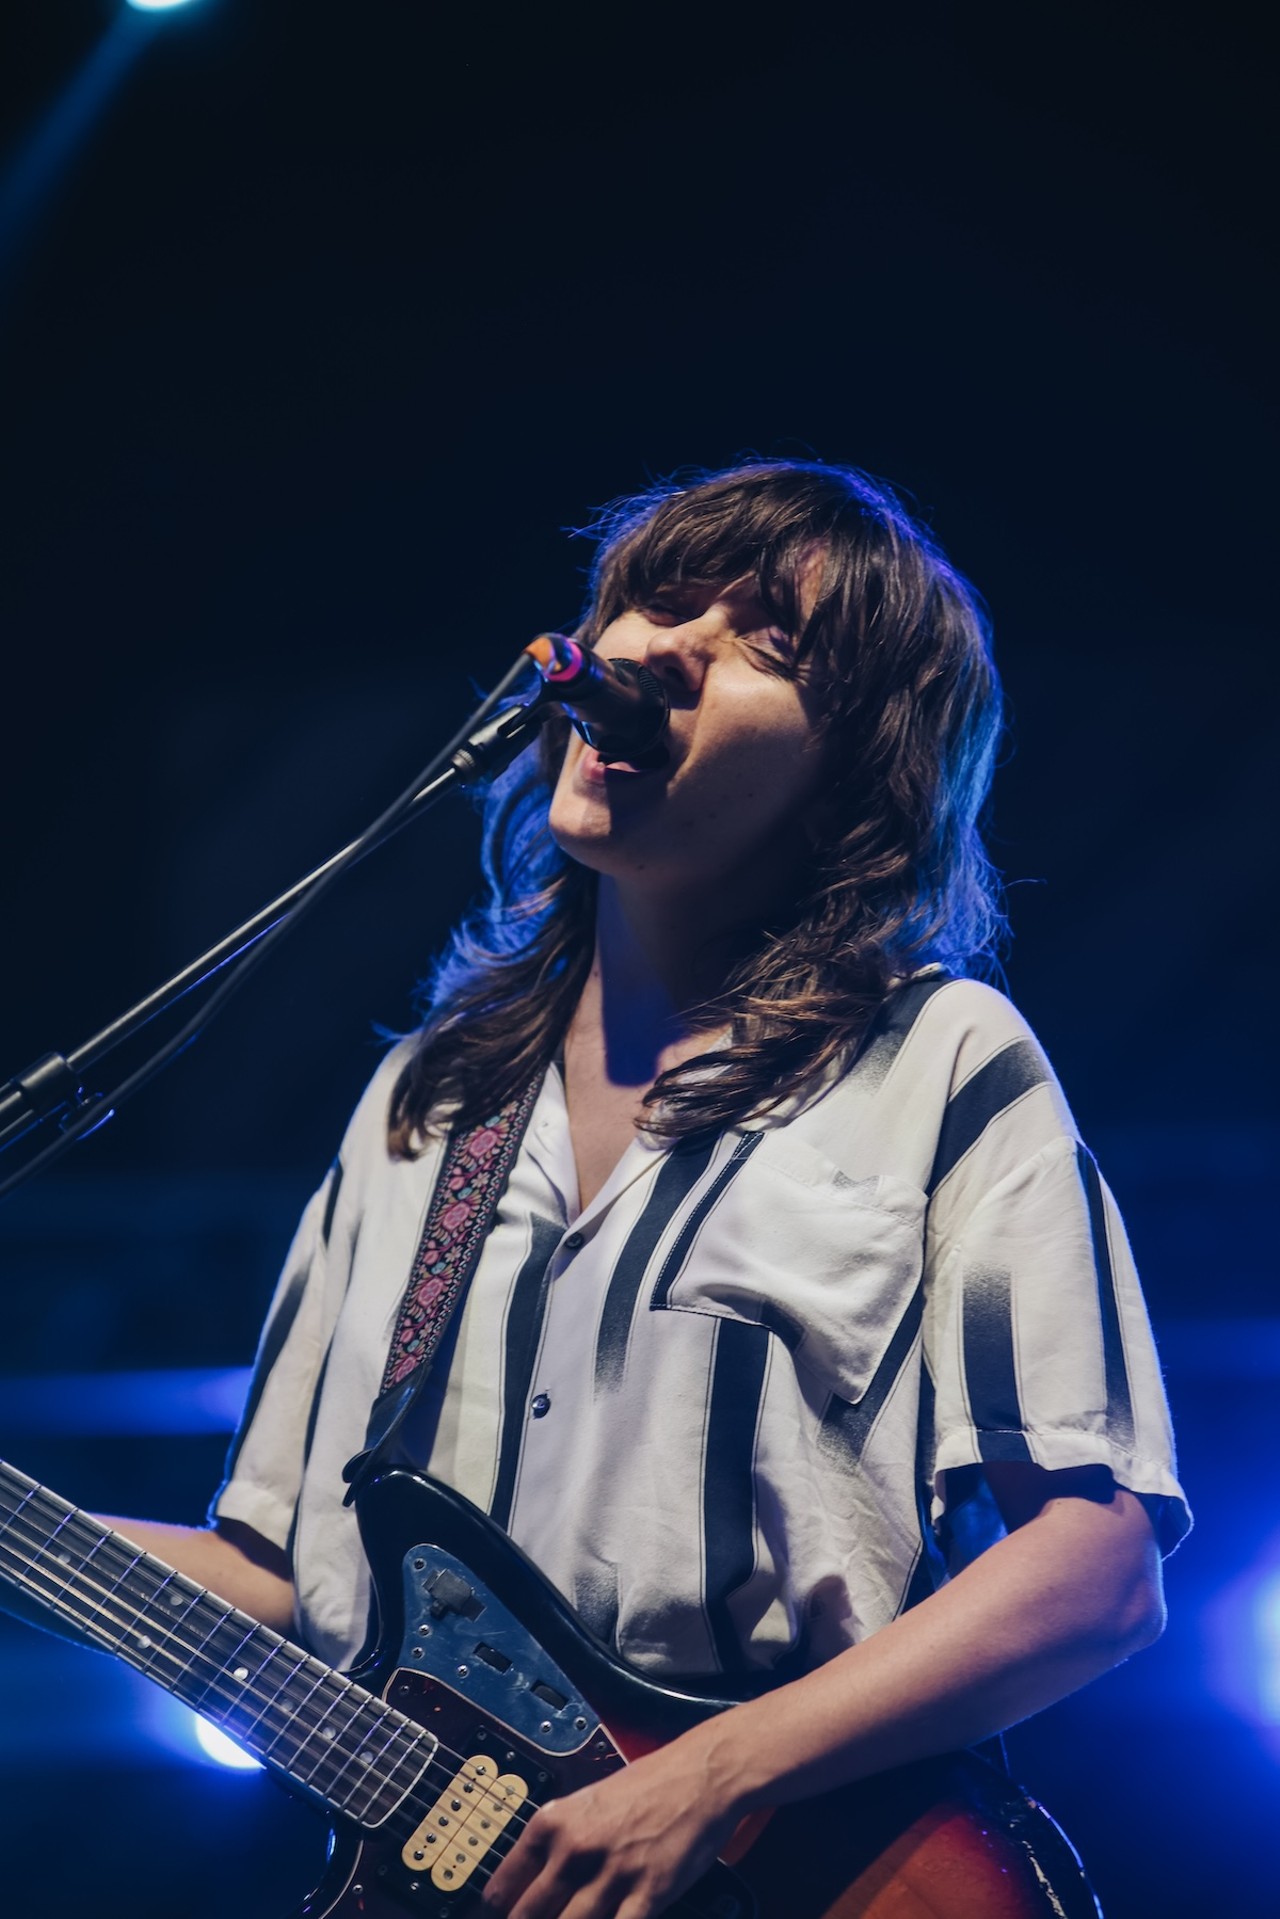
(268, 1454)
(1037, 1340)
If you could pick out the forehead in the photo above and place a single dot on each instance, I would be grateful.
(785, 584)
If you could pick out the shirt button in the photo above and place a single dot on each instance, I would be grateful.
(573, 1241)
(540, 1406)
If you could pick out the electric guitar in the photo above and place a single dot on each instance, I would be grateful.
(485, 1697)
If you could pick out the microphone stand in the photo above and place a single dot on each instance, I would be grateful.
(51, 1088)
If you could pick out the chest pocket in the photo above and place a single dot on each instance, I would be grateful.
(781, 1238)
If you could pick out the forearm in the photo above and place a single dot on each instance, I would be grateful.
(1042, 1612)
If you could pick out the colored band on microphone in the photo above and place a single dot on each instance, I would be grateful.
(558, 658)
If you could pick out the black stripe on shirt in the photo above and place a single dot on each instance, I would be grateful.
(1005, 1078)
(846, 1424)
(314, 1412)
(728, 1479)
(1119, 1397)
(277, 1331)
(679, 1253)
(898, 1013)
(929, 1571)
(335, 1187)
(990, 1370)
(679, 1174)
(525, 1311)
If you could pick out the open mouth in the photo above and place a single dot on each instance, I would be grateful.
(598, 772)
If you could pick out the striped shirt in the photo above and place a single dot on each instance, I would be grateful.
(727, 1407)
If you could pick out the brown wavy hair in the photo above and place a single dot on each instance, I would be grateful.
(896, 647)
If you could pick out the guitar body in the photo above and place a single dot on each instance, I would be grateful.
(476, 1647)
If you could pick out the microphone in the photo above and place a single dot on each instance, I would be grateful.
(618, 706)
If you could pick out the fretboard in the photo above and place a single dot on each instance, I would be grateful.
(328, 1737)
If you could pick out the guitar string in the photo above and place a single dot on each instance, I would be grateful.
(118, 1608)
(200, 1667)
(399, 1813)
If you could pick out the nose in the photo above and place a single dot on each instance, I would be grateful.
(681, 654)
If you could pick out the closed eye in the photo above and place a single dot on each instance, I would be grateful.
(671, 606)
(774, 650)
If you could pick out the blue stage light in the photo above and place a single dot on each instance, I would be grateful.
(193, 1400)
(156, 6)
(1242, 1635)
(1266, 1639)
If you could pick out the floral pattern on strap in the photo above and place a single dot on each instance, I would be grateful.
(469, 1186)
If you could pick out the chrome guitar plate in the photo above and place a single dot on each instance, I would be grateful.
(459, 1633)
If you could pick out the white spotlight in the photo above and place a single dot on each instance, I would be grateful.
(156, 6)
(219, 1747)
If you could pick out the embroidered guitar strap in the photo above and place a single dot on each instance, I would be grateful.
(473, 1176)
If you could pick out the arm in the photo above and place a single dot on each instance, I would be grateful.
(1073, 1589)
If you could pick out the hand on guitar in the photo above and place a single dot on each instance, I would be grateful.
(626, 1847)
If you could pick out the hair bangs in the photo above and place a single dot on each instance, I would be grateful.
(806, 534)
(766, 526)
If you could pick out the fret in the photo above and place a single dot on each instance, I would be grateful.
(326, 1738)
(225, 1652)
(108, 1592)
(11, 1516)
(369, 1748)
(264, 1703)
(412, 1755)
(86, 1564)
(174, 1602)
(305, 1727)
(322, 1674)
(50, 1550)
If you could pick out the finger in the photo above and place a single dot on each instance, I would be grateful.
(603, 1899)
(565, 1879)
(612, 1900)
(518, 1870)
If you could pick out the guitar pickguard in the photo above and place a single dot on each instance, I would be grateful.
(456, 1630)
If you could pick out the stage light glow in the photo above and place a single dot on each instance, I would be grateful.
(172, 1400)
(1242, 1634)
(1266, 1637)
(221, 1749)
(155, 6)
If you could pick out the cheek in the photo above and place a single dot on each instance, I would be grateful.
(774, 771)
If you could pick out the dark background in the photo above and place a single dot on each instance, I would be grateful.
(318, 333)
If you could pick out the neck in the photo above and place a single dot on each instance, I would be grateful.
(657, 961)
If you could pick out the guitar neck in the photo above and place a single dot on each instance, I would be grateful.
(328, 1737)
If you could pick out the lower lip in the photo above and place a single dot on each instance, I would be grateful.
(597, 772)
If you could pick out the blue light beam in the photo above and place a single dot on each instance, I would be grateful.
(40, 165)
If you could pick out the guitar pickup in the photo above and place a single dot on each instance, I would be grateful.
(548, 1695)
(492, 1657)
